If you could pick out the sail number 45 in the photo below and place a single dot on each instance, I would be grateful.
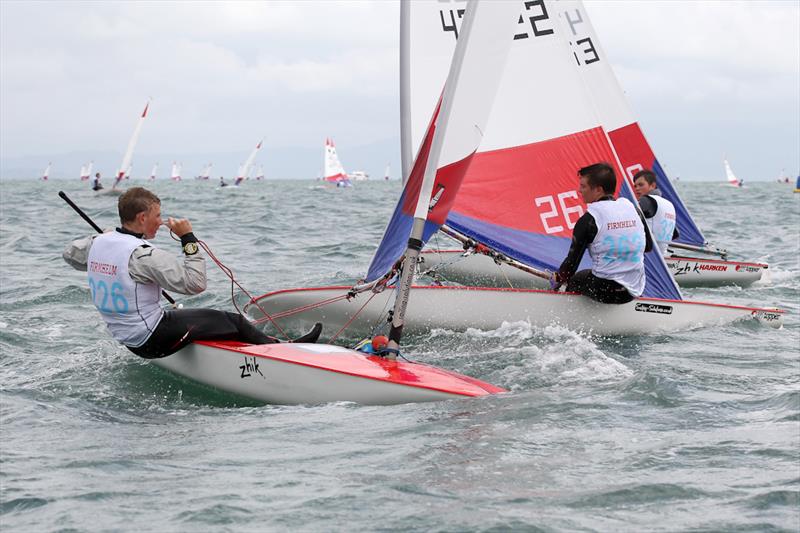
(547, 217)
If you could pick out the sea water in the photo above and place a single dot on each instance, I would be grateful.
(697, 430)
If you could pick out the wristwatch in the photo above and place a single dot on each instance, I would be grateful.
(190, 248)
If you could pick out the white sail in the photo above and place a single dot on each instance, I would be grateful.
(84, 175)
(732, 179)
(46, 173)
(260, 172)
(386, 173)
(89, 170)
(126, 160)
(154, 172)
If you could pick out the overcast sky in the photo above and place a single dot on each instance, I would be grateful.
(704, 77)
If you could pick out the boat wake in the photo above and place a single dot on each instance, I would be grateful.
(522, 357)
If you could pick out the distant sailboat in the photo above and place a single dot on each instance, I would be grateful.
(733, 181)
(260, 172)
(176, 171)
(244, 170)
(334, 171)
(125, 167)
(86, 171)
(46, 174)
(205, 173)
(153, 172)
(386, 173)
(782, 177)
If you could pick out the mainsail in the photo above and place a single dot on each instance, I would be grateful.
(86, 171)
(616, 115)
(455, 132)
(126, 160)
(46, 173)
(519, 195)
(154, 172)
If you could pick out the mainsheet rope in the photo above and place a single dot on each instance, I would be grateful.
(272, 318)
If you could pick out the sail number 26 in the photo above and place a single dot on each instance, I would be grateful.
(552, 218)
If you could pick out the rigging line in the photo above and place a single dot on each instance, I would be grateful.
(228, 272)
(352, 318)
(301, 308)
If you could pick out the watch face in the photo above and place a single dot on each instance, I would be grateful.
(190, 248)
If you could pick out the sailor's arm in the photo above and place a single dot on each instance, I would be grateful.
(76, 254)
(184, 275)
(582, 235)
(648, 239)
(648, 206)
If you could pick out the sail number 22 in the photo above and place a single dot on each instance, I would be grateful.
(552, 218)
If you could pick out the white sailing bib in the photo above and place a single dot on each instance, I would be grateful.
(131, 310)
(662, 224)
(617, 251)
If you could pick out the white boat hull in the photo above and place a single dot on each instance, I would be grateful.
(481, 271)
(289, 374)
(460, 308)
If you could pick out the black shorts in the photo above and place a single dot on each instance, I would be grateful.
(603, 290)
(179, 327)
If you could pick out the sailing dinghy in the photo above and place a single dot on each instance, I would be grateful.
(46, 173)
(624, 133)
(733, 181)
(175, 175)
(317, 373)
(334, 170)
(125, 167)
(244, 169)
(518, 199)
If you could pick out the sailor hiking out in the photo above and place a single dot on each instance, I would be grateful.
(126, 275)
(613, 232)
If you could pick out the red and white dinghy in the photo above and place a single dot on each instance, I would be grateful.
(482, 270)
(289, 374)
(461, 308)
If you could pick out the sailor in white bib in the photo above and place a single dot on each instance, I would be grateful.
(613, 232)
(658, 211)
(126, 274)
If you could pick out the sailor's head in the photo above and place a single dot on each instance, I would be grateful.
(597, 181)
(97, 175)
(140, 211)
(644, 182)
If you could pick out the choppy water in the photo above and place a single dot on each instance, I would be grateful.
(695, 431)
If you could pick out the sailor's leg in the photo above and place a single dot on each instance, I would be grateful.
(180, 327)
(603, 290)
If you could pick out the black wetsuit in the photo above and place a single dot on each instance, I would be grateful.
(179, 327)
(584, 282)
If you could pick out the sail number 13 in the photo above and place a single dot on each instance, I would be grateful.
(551, 220)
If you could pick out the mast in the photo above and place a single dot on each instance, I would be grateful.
(406, 156)
(494, 43)
(244, 170)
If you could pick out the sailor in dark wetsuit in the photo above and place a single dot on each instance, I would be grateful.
(96, 186)
(658, 211)
(613, 231)
(126, 274)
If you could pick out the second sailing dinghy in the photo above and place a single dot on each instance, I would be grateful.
(518, 199)
(125, 167)
(316, 373)
(624, 134)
